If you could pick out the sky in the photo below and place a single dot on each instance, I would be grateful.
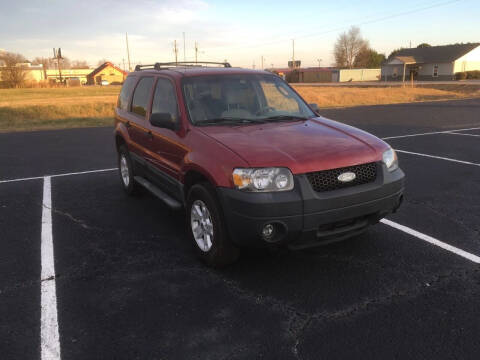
(241, 32)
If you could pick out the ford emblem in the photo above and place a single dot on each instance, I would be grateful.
(346, 177)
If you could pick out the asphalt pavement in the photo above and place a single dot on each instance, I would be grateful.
(129, 287)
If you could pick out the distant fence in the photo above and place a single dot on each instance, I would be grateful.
(349, 75)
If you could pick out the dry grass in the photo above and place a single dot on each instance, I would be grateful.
(355, 96)
(55, 108)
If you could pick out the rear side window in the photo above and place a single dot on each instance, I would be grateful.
(127, 89)
(141, 96)
(164, 100)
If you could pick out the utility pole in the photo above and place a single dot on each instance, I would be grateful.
(128, 54)
(253, 65)
(293, 53)
(184, 56)
(123, 61)
(175, 50)
(196, 52)
(262, 62)
(319, 62)
(58, 55)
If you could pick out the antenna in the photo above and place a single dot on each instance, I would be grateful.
(184, 56)
(175, 50)
(128, 54)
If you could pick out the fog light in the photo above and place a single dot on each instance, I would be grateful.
(267, 231)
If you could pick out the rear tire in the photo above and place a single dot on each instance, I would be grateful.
(207, 228)
(126, 171)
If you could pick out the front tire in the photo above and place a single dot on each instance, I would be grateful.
(207, 228)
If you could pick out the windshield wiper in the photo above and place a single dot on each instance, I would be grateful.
(231, 121)
(284, 118)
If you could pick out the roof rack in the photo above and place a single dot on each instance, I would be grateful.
(166, 65)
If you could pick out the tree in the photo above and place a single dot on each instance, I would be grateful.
(348, 46)
(368, 58)
(46, 63)
(79, 64)
(65, 63)
(13, 73)
(424, 45)
(394, 53)
(102, 61)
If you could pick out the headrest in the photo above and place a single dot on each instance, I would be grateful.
(235, 95)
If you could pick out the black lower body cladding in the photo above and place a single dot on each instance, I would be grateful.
(303, 217)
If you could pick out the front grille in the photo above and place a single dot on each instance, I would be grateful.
(327, 180)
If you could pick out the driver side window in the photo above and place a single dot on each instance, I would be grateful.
(164, 99)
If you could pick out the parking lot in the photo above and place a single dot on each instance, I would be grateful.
(89, 273)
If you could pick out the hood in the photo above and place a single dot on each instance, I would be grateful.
(302, 146)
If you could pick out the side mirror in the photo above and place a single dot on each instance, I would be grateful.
(163, 120)
(314, 107)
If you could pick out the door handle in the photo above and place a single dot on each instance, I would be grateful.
(127, 124)
(150, 135)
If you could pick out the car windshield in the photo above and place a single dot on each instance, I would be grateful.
(242, 99)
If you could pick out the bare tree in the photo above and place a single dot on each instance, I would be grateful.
(102, 61)
(79, 64)
(46, 63)
(65, 63)
(13, 73)
(348, 46)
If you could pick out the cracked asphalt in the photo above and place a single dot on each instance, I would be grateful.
(129, 287)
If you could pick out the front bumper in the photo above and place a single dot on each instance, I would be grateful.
(303, 217)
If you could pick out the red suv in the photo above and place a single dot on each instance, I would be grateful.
(250, 161)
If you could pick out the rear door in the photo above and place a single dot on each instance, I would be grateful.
(137, 117)
(166, 148)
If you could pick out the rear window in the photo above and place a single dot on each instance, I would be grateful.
(141, 96)
(126, 92)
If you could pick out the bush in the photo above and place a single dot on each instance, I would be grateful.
(475, 74)
(292, 77)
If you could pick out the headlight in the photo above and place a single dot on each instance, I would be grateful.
(263, 179)
(390, 159)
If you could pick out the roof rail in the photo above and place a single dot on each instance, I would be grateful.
(166, 65)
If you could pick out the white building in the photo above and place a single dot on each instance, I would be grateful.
(432, 63)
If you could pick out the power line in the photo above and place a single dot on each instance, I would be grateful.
(367, 22)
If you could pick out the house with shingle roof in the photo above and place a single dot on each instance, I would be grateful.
(432, 63)
(106, 72)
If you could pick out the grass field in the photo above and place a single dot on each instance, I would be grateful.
(56, 108)
(38, 109)
(356, 96)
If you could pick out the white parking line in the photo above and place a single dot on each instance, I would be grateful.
(429, 133)
(49, 335)
(458, 133)
(438, 157)
(433, 241)
(57, 175)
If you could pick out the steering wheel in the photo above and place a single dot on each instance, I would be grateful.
(265, 110)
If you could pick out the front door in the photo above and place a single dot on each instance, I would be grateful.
(166, 150)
